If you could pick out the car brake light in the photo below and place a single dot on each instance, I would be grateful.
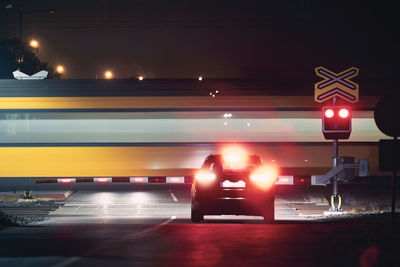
(205, 176)
(264, 177)
(234, 157)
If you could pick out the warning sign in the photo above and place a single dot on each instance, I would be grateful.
(336, 85)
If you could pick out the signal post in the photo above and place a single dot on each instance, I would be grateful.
(336, 119)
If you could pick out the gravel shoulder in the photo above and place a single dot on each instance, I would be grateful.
(23, 212)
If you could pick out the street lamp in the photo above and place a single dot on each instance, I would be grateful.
(108, 74)
(34, 43)
(21, 13)
(60, 69)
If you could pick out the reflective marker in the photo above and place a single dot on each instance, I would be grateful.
(102, 180)
(66, 180)
(139, 180)
(176, 180)
(285, 180)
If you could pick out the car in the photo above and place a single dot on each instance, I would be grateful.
(233, 185)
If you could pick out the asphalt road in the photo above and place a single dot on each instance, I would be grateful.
(151, 202)
(152, 228)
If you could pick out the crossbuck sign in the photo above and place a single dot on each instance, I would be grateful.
(336, 85)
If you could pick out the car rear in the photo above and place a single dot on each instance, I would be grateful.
(248, 191)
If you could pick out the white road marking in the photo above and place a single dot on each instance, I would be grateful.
(173, 197)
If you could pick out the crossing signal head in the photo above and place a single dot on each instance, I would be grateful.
(336, 122)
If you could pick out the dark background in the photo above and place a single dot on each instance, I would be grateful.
(216, 39)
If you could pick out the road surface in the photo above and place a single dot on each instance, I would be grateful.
(152, 228)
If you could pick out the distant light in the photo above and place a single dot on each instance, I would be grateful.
(213, 95)
(225, 123)
(140, 78)
(227, 115)
(34, 43)
(273, 160)
(108, 74)
(8, 6)
(306, 160)
(248, 124)
(216, 91)
(60, 69)
(200, 78)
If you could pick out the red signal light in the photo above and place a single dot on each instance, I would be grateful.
(329, 113)
(336, 122)
(344, 113)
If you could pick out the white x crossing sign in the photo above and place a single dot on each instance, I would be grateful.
(336, 85)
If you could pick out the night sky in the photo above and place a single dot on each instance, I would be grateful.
(227, 39)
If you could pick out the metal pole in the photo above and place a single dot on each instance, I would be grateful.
(335, 198)
(393, 211)
(335, 163)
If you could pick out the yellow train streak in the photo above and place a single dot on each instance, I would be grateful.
(165, 160)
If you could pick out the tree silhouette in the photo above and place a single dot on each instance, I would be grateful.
(17, 55)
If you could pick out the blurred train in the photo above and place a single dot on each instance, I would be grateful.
(147, 128)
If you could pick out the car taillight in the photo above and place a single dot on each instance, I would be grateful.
(205, 177)
(264, 177)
